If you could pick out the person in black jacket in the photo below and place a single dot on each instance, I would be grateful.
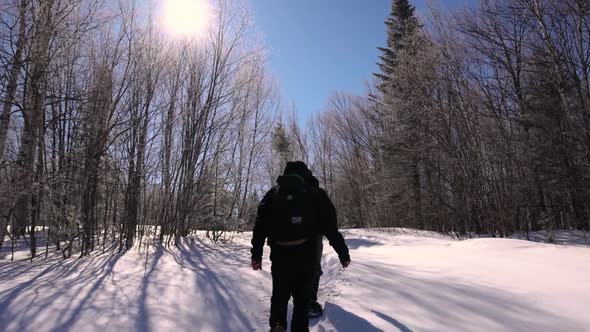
(290, 217)
(314, 307)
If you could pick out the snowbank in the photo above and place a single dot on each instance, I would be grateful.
(398, 281)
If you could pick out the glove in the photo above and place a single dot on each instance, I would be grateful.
(256, 265)
(346, 264)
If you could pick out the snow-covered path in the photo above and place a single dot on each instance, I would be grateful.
(198, 286)
(397, 282)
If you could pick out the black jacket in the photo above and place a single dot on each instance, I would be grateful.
(327, 223)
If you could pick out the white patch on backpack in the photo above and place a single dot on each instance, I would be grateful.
(289, 197)
(296, 220)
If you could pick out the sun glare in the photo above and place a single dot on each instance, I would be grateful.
(186, 17)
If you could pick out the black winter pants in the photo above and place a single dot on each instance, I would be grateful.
(317, 268)
(292, 273)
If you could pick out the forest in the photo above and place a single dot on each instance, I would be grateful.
(113, 135)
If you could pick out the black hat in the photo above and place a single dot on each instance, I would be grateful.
(297, 167)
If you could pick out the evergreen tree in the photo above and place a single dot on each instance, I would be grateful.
(282, 145)
(400, 24)
(397, 116)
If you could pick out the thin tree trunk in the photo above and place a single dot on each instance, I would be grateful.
(36, 199)
(11, 85)
(35, 106)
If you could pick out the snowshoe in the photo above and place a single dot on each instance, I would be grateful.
(315, 310)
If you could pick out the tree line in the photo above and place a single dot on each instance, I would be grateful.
(478, 121)
(113, 133)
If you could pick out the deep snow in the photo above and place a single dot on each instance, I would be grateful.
(397, 282)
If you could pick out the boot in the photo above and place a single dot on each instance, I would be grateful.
(315, 310)
(277, 328)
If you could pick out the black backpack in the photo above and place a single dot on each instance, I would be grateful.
(294, 212)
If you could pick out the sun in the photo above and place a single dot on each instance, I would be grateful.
(186, 18)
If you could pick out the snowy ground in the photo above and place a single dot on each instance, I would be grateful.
(397, 282)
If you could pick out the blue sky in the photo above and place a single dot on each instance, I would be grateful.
(318, 47)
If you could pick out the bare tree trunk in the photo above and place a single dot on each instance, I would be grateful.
(37, 196)
(417, 194)
(35, 106)
(11, 84)
(7, 106)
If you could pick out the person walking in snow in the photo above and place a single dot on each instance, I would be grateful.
(290, 218)
(314, 307)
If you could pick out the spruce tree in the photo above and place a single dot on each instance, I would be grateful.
(282, 145)
(396, 116)
(400, 24)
